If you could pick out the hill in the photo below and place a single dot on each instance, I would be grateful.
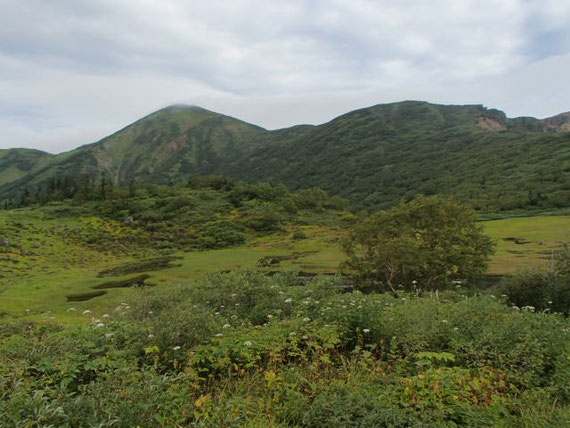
(375, 156)
(16, 163)
(379, 155)
(167, 146)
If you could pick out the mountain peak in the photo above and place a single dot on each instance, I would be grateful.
(181, 107)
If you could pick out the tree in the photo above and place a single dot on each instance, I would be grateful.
(428, 242)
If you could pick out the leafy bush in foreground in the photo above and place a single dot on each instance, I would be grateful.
(243, 349)
(543, 290)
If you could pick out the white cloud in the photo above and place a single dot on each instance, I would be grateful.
(72, 72)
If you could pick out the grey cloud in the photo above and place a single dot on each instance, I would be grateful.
(90, 67)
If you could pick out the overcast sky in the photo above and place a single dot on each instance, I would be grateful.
(74, 71)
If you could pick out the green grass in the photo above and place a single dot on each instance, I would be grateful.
(36, 281)
(49, 268)
(540, 235)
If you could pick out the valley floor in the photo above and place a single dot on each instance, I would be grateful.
(42, 267)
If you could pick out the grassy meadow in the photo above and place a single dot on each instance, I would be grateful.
(202, 307)
(524, 242)
(37, 277)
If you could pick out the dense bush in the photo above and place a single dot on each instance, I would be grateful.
(541, 290)
(219, 234)
(264, 216)
(426, 243)
(243, 349)
(210, 212)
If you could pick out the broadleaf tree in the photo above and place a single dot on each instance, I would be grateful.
(426, 243)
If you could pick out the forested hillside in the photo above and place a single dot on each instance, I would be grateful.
(375, 156)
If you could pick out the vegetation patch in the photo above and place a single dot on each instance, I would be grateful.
(247, 350)
(157, 263)
(275, 260)
(519, 241)
(82, 297)
(137, 281)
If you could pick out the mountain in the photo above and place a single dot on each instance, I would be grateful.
(373, 156)
(166, 146)
(558, 123)
(376, 156)
(16, 163)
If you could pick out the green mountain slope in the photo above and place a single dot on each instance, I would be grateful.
(16, 163)
(375, 156)
(169, 145)
(379, 155)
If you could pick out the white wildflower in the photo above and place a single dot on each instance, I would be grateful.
(218, 335)
(247, 343)
(365, 330)
(306, 319)
(99, 325)
(226, 326)
(176, 348)
(288, 300)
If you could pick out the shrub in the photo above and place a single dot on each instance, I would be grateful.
(244, 349)
(263, 216)
(313, 198)
(219, 234)
(429, 242)
(299, 235)
(542, 290)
